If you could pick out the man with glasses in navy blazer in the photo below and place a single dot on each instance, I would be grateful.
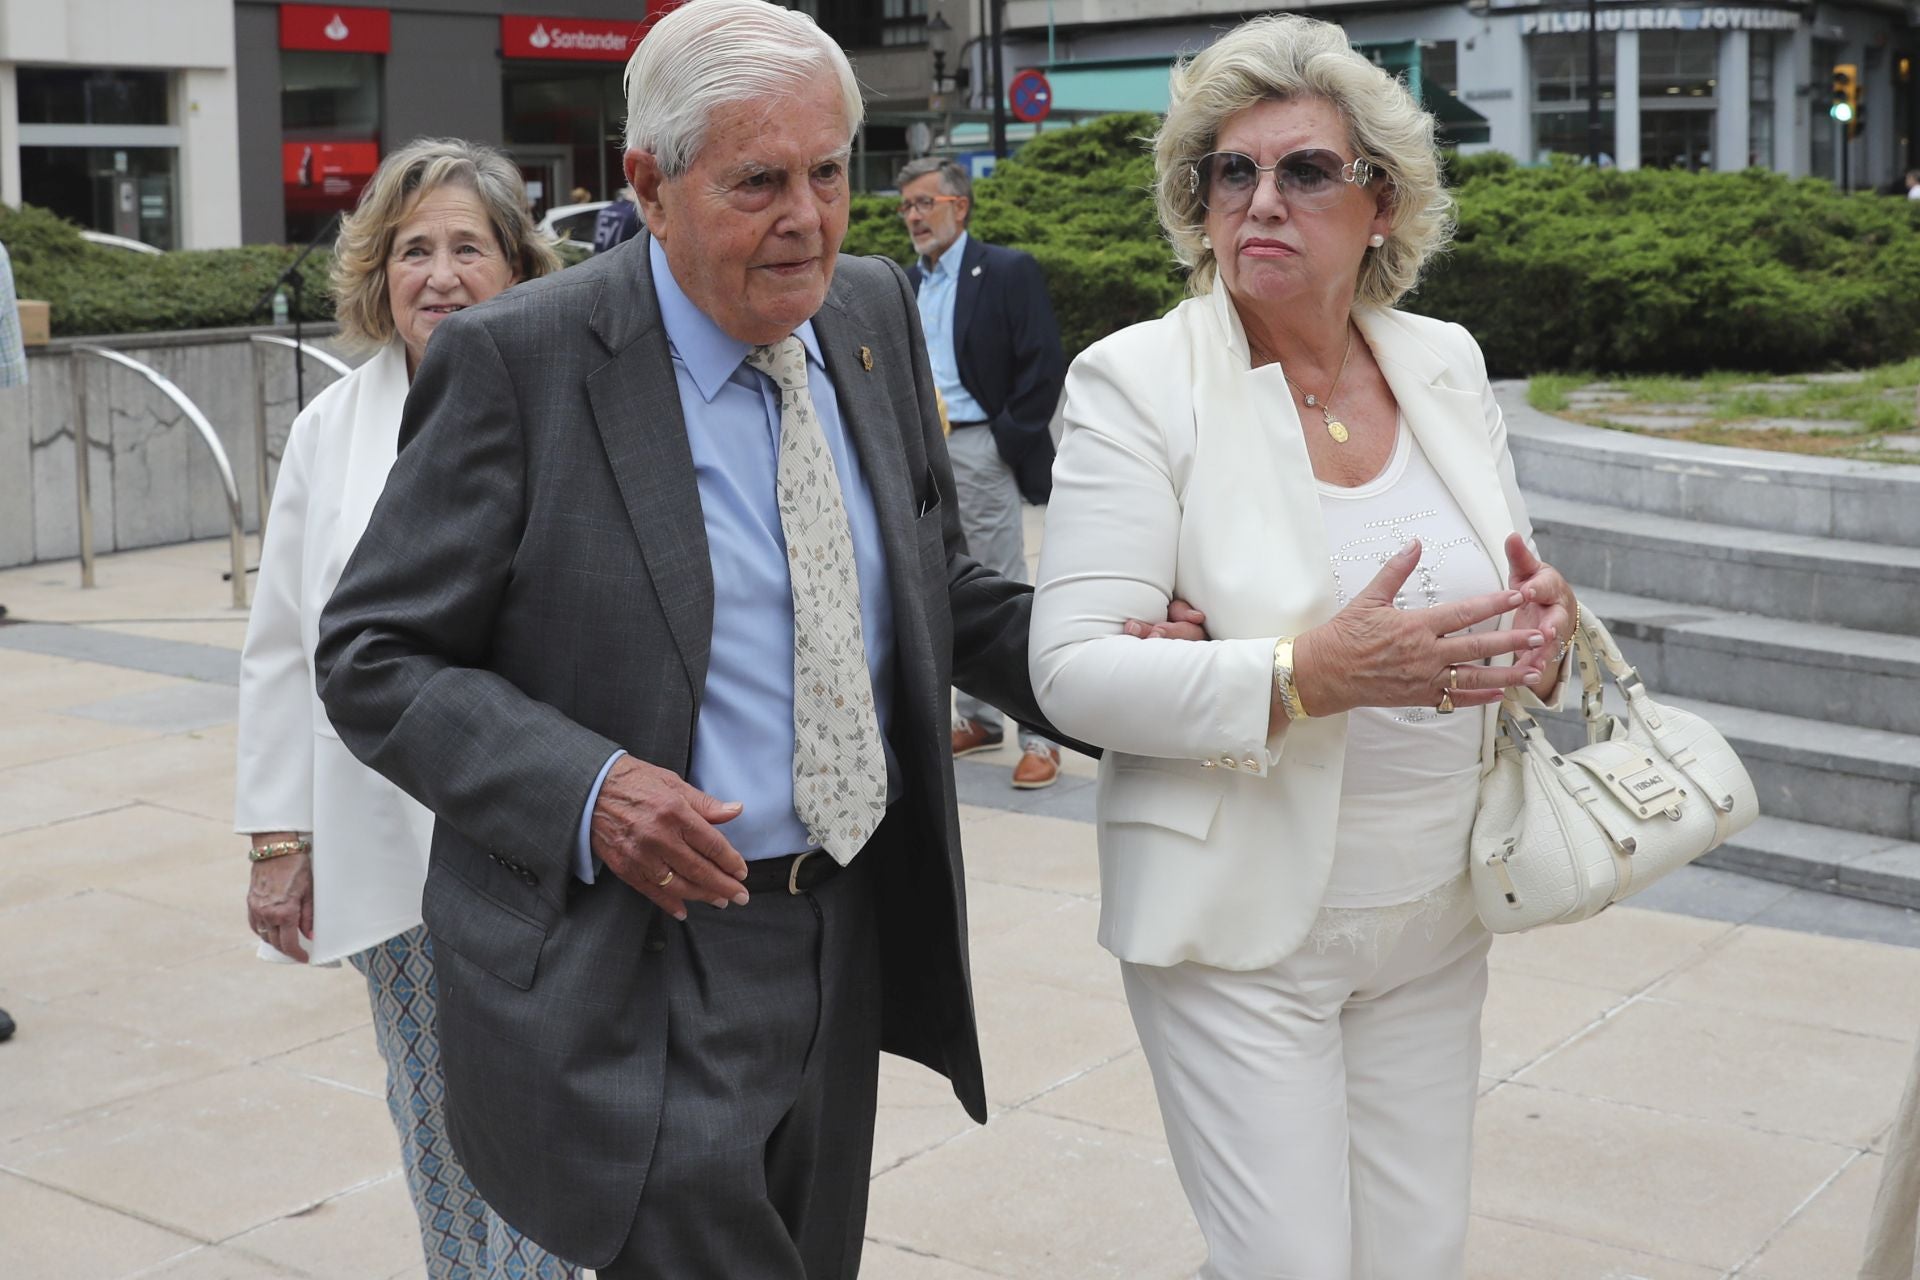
(996, 358)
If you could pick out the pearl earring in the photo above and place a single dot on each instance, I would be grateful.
(1206, 242)
(1377, 241)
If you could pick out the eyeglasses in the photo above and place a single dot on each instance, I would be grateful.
(1312, 179)
(924, 204)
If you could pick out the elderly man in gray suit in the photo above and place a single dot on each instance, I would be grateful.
(658, 614)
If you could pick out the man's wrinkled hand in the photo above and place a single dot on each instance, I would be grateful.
(1183, 622)
(661, 835)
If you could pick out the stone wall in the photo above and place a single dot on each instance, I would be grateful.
(152, 479)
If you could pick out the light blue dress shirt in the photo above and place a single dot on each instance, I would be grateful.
(743, 738)
(939, 293)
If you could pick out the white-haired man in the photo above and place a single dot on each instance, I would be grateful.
(658, 614)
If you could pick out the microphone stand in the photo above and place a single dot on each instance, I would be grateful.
(292, 278)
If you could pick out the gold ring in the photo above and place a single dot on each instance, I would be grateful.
(1446, 703)
(665, 880)
(1453, 677)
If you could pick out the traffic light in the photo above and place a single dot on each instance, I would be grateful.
(1846, 97)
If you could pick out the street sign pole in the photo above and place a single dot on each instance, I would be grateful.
(996, 9)
(1594, 147)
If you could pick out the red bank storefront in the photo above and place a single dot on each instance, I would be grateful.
(328, 90)
(565, 108)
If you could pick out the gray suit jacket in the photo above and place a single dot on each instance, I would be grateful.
(534, 590)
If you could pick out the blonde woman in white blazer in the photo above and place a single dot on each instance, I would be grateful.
(1283, 812)
(340, 854)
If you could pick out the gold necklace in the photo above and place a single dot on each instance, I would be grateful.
(1335, 428)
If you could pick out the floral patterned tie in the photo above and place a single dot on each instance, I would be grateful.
(839, 766)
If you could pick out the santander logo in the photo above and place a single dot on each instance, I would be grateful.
(540, 39)
(337, 29)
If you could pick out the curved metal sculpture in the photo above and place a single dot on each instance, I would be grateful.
(81, 441)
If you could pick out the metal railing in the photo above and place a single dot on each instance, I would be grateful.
(82, 442)
(261, 341)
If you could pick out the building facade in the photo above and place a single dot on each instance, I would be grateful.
(202, 123)
(326, 90)
(1689, 85)
(121, 114)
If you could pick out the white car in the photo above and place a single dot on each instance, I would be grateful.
(117, 242)
(573, 222)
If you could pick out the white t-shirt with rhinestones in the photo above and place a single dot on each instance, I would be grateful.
(1412, 775)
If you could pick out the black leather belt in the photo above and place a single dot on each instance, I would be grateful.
(957, 425)
(795, 873)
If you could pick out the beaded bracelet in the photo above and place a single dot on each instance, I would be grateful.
(1572, 631)
(279, 849)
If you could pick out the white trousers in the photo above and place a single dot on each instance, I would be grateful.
(1320, 1111)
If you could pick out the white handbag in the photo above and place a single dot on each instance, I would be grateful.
(1561, 836)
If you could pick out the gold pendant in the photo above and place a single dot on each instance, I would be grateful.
(1337, 429)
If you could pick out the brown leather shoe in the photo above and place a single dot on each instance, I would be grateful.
(970, 738)
(1039, 767)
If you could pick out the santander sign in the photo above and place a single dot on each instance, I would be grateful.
(571, 39)
(335, 28)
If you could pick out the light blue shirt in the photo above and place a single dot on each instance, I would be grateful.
(939, 293)
(743, 738)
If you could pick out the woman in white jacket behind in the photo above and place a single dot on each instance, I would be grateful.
(1284, 810)
(339, 853)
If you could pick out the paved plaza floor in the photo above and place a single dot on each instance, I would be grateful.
(1697, 1088)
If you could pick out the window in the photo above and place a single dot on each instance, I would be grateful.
(1678, 64)
(63, 96)
(1824, 156)
(1560, 89)
(1677, 98)
(124, 191)
(329, 95)
(98, 147)
(903, 22)
(329, 135)
(1439, 69)
(1760, 48)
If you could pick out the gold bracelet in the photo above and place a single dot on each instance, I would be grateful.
(1283, 680)
(279, 849)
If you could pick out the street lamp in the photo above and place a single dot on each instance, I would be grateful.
(939, 37)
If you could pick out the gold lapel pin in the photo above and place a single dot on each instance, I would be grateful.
(866, 359)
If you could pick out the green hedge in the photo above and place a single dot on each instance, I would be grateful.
(1570, 267)
(1559, 267)
(97, 290)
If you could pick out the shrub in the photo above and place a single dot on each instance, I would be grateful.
(98, 290)
(1569, 267)
(1563, 267)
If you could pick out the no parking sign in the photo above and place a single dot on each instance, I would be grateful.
(1030, 96)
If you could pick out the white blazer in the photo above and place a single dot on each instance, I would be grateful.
(370, 839)
(1183, 472)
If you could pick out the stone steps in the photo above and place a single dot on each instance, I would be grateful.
(1775, 594)
(1838, 582)
(1805, 669)
(1864, 781)
(1742, 488)
(1817, 857)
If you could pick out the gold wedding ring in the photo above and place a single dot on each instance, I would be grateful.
(1453, 677)
(665, 880)
(1446, 703)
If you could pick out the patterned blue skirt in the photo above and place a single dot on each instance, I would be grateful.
(463, 1238)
